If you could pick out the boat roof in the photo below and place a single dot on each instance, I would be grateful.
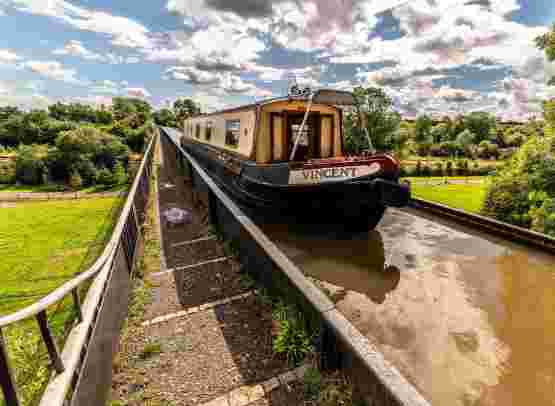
(320, 96)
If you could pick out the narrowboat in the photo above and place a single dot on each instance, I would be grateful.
(285, 156)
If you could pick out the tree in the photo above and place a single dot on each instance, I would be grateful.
(30, 164)
(439, 133)
(546, 42)
(184, 108)
(165, 118)
(374, 114)
(481, 124)
(123, 107)
(465, 138)
(7, 112)
(87, 143)
(422, 130)
(104, 117)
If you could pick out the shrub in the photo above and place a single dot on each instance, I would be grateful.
(423, 149)
(75, 181)
(292, 340)
(312, 383)
(31, 168)
(438, 170)
(449, 168)
(418, 168)
(119, 174)
(426, 171)
(507, 200)
(462, 167)
(88, 172)
(104, 177)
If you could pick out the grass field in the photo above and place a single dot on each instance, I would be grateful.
(467, 197)
(44, 244)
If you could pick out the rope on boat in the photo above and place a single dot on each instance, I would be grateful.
(299, 133)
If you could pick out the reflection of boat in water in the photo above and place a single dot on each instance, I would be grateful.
(356, 264)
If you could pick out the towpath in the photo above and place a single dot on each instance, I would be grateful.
(205, 337)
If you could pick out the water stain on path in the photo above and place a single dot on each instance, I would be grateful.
(468, 319)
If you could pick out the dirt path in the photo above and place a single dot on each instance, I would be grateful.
(203, 338)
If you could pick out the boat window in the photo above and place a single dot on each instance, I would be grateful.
(208, 131)
(197, 131)
(232, 132)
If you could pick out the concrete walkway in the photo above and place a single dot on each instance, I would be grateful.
(206, 333)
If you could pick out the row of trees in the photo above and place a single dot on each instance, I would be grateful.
(374, 125)
(472, 135)
(79, 145)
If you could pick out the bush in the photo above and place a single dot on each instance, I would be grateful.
(104, 177)
(418, 168)
(292, 340)
(449, 168)
(426, 171)
(30, 164)
(507, 200)
(76, 147)
(423, 149)
(462, 167)
(119, 175)
(438, 170)
(88, 172)
(75, 181)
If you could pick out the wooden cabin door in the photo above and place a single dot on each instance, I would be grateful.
(308, 146)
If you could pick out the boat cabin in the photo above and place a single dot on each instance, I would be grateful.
(266, 132)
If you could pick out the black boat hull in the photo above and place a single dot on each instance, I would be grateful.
(356, 205)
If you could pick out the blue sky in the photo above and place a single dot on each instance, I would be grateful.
(434, 56)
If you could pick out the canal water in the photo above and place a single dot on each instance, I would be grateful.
(468, 319)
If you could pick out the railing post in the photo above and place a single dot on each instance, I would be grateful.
(330, 357)
(6, 378)
(213, 209)
(77, 302)
(50, 342)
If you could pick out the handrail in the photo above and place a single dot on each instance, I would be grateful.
(64, 290)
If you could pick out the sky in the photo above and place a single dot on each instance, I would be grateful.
(431, 56)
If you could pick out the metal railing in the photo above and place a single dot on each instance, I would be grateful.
(116, 264)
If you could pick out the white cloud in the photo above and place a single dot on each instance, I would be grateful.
(193, 75)
(220, 83)
(76, 48)
(450, 34)
(124, 32)
(8, 57)
(137, 92)
(12, 94)
(106, 87)
(54, 70)
(96, 101)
